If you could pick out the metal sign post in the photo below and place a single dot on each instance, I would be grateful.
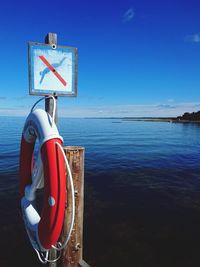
(51, 39)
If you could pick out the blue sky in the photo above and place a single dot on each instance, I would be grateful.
(135, 58)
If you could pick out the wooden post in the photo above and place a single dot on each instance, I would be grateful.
(51, 38)
(72, 255)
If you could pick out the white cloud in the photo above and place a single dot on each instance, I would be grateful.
(194, 38)
(128, 15)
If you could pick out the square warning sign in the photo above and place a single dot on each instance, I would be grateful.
(52, 69)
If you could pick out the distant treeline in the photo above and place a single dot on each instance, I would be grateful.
(194, 116)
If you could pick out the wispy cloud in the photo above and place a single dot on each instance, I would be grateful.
(24, 97)
(166, 106)
(143, 110)
(128, 15)
(14, 112)
(170, 100)
(194, 38)
(151, 110)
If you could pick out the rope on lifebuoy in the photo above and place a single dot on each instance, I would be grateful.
(61, 246)
(27, 190)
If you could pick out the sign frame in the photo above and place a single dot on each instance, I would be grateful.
(44, 92)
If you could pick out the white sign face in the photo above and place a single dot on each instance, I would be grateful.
(52, 70)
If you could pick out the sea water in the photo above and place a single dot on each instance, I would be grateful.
(142, 192)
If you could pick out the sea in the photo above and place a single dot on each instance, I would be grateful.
(142, 192)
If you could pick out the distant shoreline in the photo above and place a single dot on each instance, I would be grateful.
(149, 119)
(174, 120)
(145, 119)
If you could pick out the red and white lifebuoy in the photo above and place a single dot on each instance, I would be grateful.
(48, 171)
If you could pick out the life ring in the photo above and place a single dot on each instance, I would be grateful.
(48, 171)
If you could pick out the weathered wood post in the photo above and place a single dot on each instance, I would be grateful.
(72, 255)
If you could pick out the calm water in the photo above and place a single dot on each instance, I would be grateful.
(142, 193)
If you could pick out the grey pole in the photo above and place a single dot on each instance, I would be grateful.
(51, 39)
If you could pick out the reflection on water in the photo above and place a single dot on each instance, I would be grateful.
(142, 192)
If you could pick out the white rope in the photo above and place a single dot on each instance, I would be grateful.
(52, 261)
(54, 105)
(61, 246)
(44, 259)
